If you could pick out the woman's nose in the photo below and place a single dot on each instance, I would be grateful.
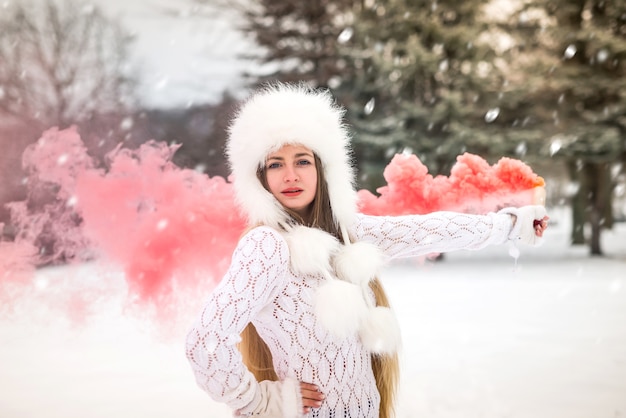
(291, 175)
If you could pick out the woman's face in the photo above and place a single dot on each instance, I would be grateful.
(292, 177)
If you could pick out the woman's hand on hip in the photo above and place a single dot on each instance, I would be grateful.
(311, 396)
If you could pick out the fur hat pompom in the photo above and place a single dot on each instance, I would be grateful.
(380, 333)
(358, 263)
(310, 249)
(340, 307)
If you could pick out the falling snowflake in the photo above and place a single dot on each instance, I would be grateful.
(369, 106)
(570, 51)
(492, 114)
(345, 35)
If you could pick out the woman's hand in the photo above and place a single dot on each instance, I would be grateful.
(541, 225)
(529, 223)
(282, 398)
(311, 397)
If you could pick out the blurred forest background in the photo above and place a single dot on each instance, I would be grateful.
(543, 81)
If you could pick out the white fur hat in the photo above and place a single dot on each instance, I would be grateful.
(280, 114)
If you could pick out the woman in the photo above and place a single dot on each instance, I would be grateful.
(300, 325)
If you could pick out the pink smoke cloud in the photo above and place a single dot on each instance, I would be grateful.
(473, 186)
(172, 230)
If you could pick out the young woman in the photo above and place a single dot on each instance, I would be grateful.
(300, 325)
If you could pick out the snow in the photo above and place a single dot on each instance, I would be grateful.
(484, 336)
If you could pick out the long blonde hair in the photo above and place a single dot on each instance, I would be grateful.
(255, 352)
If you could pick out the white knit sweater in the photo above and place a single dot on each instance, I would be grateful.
(261, 287)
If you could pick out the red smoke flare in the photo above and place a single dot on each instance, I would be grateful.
(173, 230)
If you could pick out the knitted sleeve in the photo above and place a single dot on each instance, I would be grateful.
(258, 266)
(437, 232)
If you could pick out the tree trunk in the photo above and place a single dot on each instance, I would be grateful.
(599, 177)
(579, 204)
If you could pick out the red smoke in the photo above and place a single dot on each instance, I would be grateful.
(473, 186)
(173, 230)
(169, 227)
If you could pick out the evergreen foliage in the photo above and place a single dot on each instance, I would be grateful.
(573, 53)
(298, 39)
(431, 70)
(540, 80)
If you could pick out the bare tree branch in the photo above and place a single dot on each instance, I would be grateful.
(60, 63)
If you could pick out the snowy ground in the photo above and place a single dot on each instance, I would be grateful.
(483, 337)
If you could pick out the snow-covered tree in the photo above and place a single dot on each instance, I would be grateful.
(60, 62)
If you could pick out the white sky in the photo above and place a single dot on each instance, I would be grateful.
(186, 57)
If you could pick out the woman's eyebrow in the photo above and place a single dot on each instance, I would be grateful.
(297, 155)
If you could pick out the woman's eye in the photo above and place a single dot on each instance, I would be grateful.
(273, 165)
(304, 162)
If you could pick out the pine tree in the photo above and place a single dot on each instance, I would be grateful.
(298, 39)
(541, 79)
(430, 82)
(573, 53)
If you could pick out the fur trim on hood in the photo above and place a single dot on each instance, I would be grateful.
(281, 114)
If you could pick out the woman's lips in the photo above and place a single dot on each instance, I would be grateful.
(292, 192)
